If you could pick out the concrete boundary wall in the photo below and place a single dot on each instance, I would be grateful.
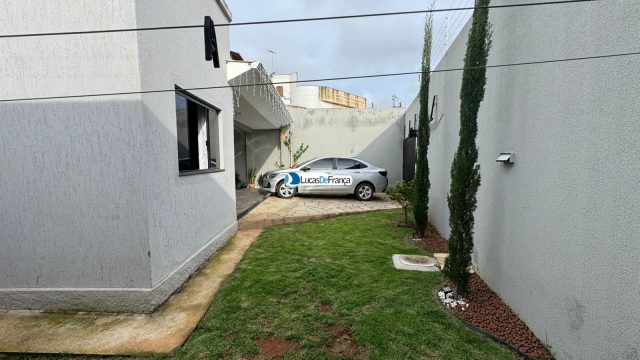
(558, 232)
(373, 135)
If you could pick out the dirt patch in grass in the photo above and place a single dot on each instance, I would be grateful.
(488, 312)
(434, 242)
(274, 348)
(342, 342)
(324, 308)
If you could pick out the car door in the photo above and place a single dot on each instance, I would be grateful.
(347, 167)
(315, 171)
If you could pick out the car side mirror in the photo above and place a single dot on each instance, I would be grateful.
(305, 168)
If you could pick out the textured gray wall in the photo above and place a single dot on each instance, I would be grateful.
(72, 197)
(93, 213)
(185, 213)
(558, 233)
(373, 135)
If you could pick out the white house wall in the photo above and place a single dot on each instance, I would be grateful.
(94, 213)
(191, 214)
(72, 198)
(557, 233)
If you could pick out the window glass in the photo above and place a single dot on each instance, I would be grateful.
(182, 122)
(349, 164)
(214, 141)
(359, 165)
(345, 164)
(197, 134)
(322, 164)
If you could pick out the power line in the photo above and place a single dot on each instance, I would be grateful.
(296, 20)
(328, 79)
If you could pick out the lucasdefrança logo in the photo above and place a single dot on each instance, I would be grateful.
(294, 179)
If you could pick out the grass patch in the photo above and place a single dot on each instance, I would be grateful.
(328, 290)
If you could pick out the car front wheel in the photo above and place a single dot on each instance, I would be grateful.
(284, 191)
(364, 192)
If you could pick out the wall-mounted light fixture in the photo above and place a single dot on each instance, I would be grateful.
(506, 157)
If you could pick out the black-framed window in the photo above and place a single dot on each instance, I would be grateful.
(321, 164)
(197, 134)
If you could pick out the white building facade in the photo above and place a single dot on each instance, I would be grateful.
(314, 97)
(109, 203)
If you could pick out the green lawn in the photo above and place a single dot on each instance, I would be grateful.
(298, 283)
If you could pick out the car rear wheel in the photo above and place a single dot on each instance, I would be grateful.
(364, 192)
(283, 191)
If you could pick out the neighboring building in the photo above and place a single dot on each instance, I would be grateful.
(314, 97)
(557, 233)
(260, 117)
(110, 203)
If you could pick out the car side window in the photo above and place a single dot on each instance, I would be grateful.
(322, 164)
(359, 165)
(345, 164)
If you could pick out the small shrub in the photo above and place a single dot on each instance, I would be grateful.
(402, 193)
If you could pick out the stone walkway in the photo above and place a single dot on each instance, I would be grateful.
(125, 334)
(247, 199)
(277, 211)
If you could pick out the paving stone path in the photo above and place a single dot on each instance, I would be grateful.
(277, 211)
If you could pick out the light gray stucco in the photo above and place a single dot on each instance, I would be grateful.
(94, 213)
(557, 233)
(373, 135)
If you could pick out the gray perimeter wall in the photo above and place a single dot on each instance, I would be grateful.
(557, 234)
(373, 135)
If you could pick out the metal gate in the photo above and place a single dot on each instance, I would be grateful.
(409, 158)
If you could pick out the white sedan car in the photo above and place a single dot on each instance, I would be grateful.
(327, 175)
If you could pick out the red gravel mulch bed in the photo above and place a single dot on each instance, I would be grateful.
(487, 311)
(434, 242)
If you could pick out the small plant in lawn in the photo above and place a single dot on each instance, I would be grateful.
(298, 154)
(465, 172)
(402, 193)
(294, 156)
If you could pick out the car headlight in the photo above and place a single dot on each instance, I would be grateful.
(271, 176)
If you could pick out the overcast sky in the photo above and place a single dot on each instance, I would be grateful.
(343, 47)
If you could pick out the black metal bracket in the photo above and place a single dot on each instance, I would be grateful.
(211, 42)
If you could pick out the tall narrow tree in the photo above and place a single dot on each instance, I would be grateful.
(421, 182)
(465, 171)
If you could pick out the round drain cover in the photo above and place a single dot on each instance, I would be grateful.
(417, 260)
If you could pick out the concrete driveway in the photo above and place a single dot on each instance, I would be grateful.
(277, 211)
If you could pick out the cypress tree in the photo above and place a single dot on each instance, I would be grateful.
(465, 172)
(421, 182)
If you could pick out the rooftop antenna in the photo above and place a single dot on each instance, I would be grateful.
(446, 32)
(273, 53)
